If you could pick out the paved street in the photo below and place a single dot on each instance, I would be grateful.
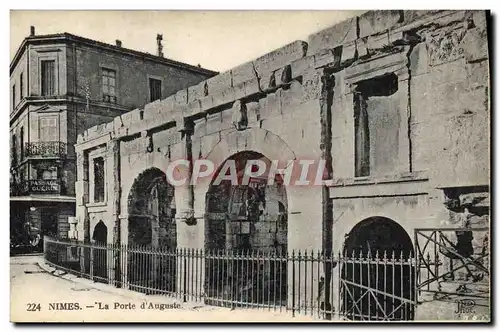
(31, 285)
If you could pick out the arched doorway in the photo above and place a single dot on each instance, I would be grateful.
(377, 272)
(243, 222)
(99, 259)
(151, 213)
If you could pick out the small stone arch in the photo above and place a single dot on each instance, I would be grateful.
(383, 244)
(99, 259)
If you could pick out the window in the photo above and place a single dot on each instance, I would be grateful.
(99, 179)
(109, 85)
(48, 77)
(49, 131)
(21, 143)
(376, 121)
(13, 96)
(21, 87)
(14, 150)
(49, 173)
(154, 89)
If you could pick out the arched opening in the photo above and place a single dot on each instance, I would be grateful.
(377, 272)
(99, 259)
(244, 222)
(151, 227)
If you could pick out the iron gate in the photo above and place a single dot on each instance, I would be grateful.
(377, 287)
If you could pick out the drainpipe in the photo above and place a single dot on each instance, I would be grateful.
(326, 100)
(115, 150)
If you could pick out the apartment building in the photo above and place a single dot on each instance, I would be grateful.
(60, 85)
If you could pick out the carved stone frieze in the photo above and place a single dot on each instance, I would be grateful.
(444, 45)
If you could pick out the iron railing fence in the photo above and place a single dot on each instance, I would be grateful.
(361, 286)
(453, 262)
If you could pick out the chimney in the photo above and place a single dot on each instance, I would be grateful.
(118, 43)
(32, 31)
(159, 38)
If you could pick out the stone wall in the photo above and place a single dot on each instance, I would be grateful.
(298, 102)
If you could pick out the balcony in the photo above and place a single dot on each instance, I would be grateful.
(52, 149)
(28, 187)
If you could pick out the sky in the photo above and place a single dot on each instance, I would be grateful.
(218, 40)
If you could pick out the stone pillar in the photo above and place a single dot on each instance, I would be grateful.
(404, 165)
(184, 193)
(123, 266)
(184, 202)
(82, 198)
(113, 182)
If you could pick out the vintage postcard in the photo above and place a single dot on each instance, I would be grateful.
(189, 166)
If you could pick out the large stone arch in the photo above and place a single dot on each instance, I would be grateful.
(151, 223)
(252, 139)
(254, 143)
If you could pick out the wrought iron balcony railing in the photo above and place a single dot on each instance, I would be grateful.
(51, 149)
(26, 187)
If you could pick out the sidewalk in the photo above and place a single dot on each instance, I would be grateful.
(183, 312)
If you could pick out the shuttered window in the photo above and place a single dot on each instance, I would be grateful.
(109, 85)
(48, 129)
(48, 78)
(154, 89)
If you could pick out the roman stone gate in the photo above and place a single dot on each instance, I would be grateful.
(388, 100)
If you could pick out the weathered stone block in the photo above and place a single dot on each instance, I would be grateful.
(376, 21)
(208, 142)
(267, 82)
(362, 47)
(219, 83)
(199, 128)
(207, 103)
(226, 119)
(299, 67)
(418, 60)
(243, 73)
(341, 33)
(195, 92)
(224, 97)
(251, 87)
(348, 52)
(312, 86)
(152, 110)
(324, 58)
(475, 45)
(213, 122)
(292, 96)
(283, 75)
(192, 108)
(253, 109)
(280, 57)
(181, 97)
(478, 73)
(411, 16)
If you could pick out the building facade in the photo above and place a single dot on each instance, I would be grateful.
(395, 102)
(60, 85)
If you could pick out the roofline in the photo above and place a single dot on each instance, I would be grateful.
(67, 37)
